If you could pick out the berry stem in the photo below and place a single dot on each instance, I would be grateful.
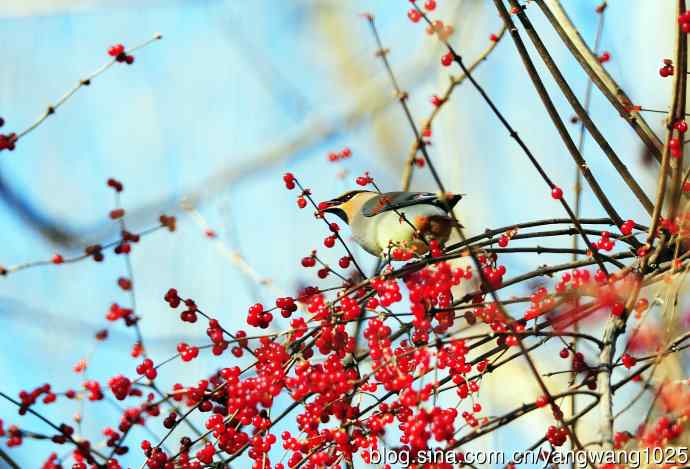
(83, 82)
(455, 81)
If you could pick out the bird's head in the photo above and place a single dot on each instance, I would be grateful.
(346, 205)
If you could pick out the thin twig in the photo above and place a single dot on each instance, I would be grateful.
(589, 62)
(83, 82)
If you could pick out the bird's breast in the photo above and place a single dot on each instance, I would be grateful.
(376, 233)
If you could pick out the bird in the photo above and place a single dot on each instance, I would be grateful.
(381, 221)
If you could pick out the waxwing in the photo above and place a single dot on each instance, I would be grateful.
(381, 221)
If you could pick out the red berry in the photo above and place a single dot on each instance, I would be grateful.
(364, 180)
(116, 50)
(447, 59)
(430, 5)
(628, 360)
(120, 386)
(7, 142)
(117, 213)
(115, 184)
(301, 202)
(57, 259)
(627, 227)
(681, 126)
(414, 15)
(617, 309)
(557, 193)
(289, 180)
(605, 57)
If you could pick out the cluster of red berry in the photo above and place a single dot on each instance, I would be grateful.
(430, 293)
(415, 15)
(605, 243)
(493, 274)
(187, 352)
(556, 436)
(667, 69)
(660, 434)
(579, 279)
(289, 180)
(146, 368)
(120, 385)
(13, 435)
(286, 305)
(503, 240)
(94, 389)
(116, 312)
(30, 398)
(684, 21)
(364, 180)
(676, 146)
(343, 154)
(119, 54)
(7, 141)
(627, 227)
(190, 313)
(217, 335)
(628, 360)
(540, 303)
(258, 317)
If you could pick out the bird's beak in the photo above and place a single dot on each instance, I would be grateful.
(333, 206)
(329, 206)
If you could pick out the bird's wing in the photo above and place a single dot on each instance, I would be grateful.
(396, 200)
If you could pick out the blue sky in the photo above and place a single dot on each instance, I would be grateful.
(217, 111)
